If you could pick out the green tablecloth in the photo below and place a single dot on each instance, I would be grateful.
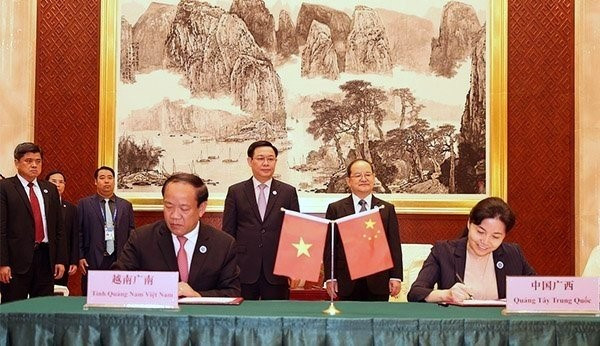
(62, 321)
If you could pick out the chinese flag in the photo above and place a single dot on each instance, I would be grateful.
(301, 246)
(365, 243)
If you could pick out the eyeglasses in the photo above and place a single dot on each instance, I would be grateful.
(357, 176)
(268, 159)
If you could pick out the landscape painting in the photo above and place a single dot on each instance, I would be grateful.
(402, 84)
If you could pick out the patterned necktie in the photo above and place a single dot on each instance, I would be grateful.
(110, 244)
(37, 215)
(262, 201)
(363, 205)
(182, 261)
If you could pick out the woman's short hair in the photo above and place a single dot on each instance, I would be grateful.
(493, 208)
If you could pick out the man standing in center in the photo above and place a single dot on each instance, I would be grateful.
(105, 222)
(375, 287)
(253, 216)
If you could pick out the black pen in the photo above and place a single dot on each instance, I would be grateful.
(461, 281)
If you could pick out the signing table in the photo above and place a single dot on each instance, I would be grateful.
(62, 321)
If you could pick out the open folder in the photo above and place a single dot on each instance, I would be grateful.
(211, 300)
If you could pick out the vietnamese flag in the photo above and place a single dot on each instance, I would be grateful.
(365, 243)
(301, 246)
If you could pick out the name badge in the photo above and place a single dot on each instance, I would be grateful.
(132, 289)
(552, 294)
(109, 233)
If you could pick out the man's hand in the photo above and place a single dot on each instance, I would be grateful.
(83, 266)
(5, 274)
(59, 271)
(332, 288)
(72, 269)
(186, 290)
(395, 287)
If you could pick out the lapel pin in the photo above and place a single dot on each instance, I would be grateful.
(500, 265)
(274, 192)
(45, 191)
(202, 249)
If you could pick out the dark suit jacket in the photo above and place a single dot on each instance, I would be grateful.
(448, 258)
(256, 240)
(91, 227)
(71, 226)
(17, 228)
(378, 283)
(212, 274)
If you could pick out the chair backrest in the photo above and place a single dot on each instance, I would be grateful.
(592, 268)
(413, 256)
(60, 290)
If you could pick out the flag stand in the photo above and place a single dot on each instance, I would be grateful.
(331, 310)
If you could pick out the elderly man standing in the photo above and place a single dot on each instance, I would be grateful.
(32, 242)
(203, 256)
(379, 286)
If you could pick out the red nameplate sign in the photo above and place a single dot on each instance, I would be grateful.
(132, 289)
(549, 294)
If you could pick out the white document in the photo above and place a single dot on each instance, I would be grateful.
(481, 302)
(211, 300)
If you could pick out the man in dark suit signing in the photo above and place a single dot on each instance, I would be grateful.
(32, 249)
(379, 286)
(204, 256)
(253, 216)
(105, 222)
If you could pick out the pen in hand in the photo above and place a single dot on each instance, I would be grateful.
(462, 282)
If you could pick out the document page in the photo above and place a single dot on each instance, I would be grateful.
(212, 300)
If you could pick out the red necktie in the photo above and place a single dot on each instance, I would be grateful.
(182, 262)
(37, 215)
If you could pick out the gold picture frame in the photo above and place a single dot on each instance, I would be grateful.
(496, 170)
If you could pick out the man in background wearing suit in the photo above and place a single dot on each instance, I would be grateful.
(203, 256)
(253, 216)
(376, 287)
(105, 222)
(70, 226)
(32, 250)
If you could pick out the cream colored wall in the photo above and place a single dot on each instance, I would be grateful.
(17, 81)
(587, 130)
